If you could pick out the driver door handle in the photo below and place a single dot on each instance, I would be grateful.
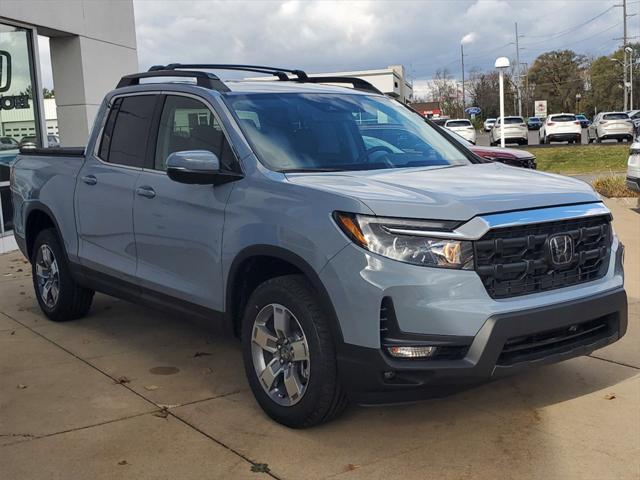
(146, 192)
(90, 179)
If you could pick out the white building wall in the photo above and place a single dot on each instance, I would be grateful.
(92, 43)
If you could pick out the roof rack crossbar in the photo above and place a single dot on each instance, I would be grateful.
(355, 82)
(203, 79)
(211, 81)
(281, 73)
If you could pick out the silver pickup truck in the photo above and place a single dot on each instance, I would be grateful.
(359, 252)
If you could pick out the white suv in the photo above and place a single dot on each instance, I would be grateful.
(610, 125)
(462, 127)
(561, 127)
(515, 131)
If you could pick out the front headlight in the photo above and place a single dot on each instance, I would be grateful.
(406, 241)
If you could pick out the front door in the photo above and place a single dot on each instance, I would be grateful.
(105, 188)
(178, 227)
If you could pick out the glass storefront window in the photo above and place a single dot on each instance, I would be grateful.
(18, 107)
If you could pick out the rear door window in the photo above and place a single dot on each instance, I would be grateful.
(125, 135)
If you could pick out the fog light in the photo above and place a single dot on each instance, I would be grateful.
(412, 352)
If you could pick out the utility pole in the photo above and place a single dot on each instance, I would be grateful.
(517, 72)
(462, 58)
(624, 46)
(626, 64)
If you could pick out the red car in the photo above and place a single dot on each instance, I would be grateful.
(509, 156)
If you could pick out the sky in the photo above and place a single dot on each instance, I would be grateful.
(326, 36)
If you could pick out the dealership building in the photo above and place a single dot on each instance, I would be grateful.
(92, 44)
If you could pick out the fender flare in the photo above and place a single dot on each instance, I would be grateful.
(34, 206)
(297, 261)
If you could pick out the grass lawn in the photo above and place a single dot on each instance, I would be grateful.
(582, 159)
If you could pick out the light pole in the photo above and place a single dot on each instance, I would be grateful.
(502, 63)
(629, 50)
(624, 76)
(578, 97)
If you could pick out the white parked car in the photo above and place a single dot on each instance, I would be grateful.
(515, 131)
(488, 124)
(462, 127)
(610, 125)
(561, 127)
(633, 168)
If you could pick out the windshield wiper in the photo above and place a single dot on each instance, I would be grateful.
(303, 170)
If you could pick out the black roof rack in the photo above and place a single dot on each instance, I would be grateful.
(281, 73)
(211, 81)
(203, 79)
(355, 82)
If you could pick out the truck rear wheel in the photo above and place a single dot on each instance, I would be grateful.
(289, 354)
(58, 294)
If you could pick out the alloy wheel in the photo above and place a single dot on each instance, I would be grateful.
(280, 353)
(47, 276)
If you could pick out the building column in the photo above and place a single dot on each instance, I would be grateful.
(84, 69)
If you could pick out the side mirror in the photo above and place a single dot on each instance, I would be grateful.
(199, 167)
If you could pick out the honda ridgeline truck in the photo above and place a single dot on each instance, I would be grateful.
(358, 251)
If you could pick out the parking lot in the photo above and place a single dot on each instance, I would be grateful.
(130, 392)
(534, 139)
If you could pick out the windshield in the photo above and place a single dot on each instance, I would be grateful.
(311, 132)
(534, 119)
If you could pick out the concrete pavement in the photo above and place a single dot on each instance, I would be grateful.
(130, 392)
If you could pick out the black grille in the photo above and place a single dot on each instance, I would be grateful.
(513, 261)
(540, 345)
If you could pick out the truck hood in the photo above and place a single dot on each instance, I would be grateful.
(450, 193)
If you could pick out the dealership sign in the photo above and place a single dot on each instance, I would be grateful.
(540, 107)
(11, 101)
(473, 110)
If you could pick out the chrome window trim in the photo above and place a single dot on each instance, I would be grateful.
(475, 228)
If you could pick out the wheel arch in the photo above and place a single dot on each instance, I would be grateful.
(268, 261)
(39, 217)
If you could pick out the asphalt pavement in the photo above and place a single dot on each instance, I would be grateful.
(134, 393)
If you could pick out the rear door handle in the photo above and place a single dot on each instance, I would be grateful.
(90, 179)
(146, 192)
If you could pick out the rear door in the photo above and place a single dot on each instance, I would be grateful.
(178, 227)
(105, 188)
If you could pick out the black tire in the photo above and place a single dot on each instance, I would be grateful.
(73, 301)
(324, 398)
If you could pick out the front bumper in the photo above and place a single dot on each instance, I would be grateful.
(633, 183)
(370, 376)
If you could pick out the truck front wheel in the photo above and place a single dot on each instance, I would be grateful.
(58, 294)
(289, 353)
